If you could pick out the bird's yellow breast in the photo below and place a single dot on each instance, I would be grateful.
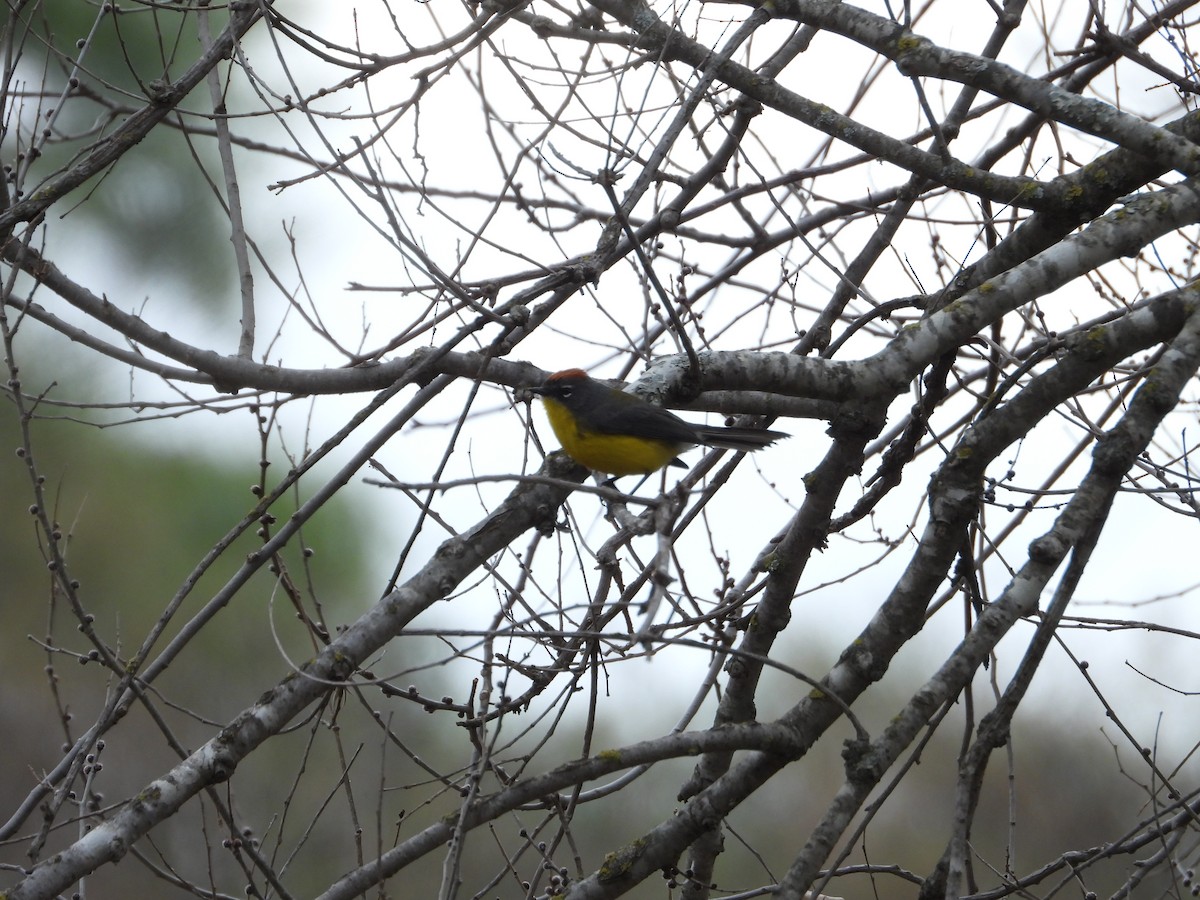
(616, 454)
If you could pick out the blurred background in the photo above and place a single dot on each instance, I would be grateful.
(144, 476)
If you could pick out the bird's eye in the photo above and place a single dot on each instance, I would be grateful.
(565, 391)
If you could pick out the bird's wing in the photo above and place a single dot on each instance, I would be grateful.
(642, 419)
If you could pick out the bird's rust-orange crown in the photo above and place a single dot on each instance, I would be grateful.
(567, 375)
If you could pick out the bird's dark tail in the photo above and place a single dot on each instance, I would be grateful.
(738, 438)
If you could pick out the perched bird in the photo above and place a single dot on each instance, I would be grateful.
(620, 434)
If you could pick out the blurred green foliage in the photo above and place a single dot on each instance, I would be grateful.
(158, 214)
(136, 521)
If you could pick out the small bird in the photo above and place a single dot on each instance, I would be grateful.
(620, 434)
